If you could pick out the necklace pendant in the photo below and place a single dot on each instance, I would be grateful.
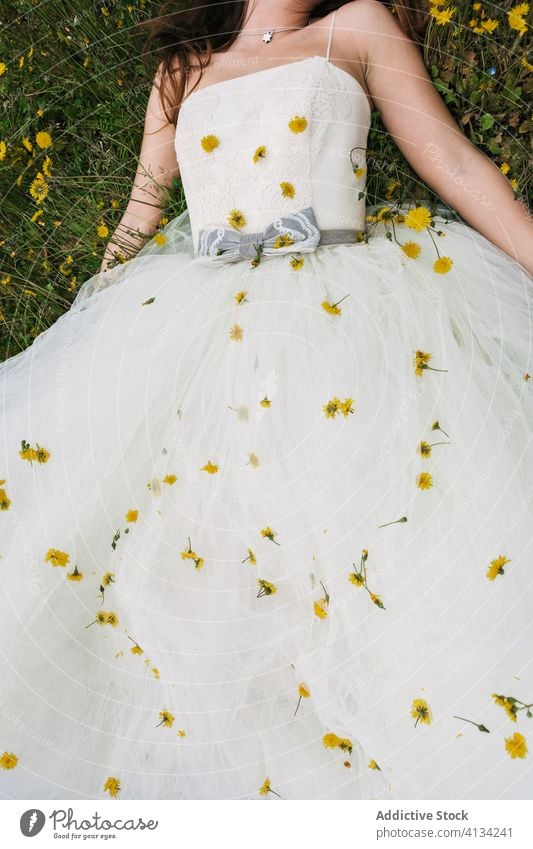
(267, 36)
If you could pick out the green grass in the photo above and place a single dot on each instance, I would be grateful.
(78, 63)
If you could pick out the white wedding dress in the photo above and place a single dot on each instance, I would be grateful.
(227, 458)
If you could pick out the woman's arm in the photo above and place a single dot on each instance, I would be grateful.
(156, 168)
(418, 120)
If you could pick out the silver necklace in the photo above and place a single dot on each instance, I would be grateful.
(268, 35)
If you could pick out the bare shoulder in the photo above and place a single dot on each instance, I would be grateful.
(371, 13)
(369, 27)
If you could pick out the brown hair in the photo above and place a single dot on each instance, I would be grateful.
(181, 29)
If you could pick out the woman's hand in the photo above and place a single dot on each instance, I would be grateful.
(418, 120)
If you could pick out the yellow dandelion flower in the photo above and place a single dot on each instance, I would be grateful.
(56, 557)
(253, 460)
(425, 449)
(424, 480)
(266, 402)
(443, 265)
(3, 150)
(421, 360)
(132, 516)
(108, 579)
(170, 479)
(333, 309)
(5, 502)
(418, 218)
(39, 188)
(516, 17)
(443, 16)
(210, 468)
(167, 720)
(8, 760)
(496, 567)
(76, 575)
(265, 789)
(27, 145)
(209, 143)
(332, 408)
(189, 554)
(39, 454)
(411, 249)
(357, 579)
(346, 407)
(240, 297)
(156, 672)
(284, 240)
(136, 649)
(420, 710)
(236, 219)
(250, 558)
(111, 619)
(320, 608)
(358, 172)
(296, 262)
(268, 533)
(3, 68)
(43, 139)
(112, 786)
(374, 765)
(102, 231)
(298, 124)
(505, 167)
(303, 693)
(516, 745)
(287, 190)
(181, 732)
(510, 709)
(265, 588)
(376, 599)
(160, 239)
(332, 741)
(260, 153)
(236, 333)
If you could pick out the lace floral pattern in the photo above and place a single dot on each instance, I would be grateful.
(269, 170)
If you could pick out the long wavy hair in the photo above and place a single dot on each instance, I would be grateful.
(184, 29)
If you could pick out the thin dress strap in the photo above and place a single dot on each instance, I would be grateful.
(331, 34)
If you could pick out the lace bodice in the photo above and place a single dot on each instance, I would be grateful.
(260, 145)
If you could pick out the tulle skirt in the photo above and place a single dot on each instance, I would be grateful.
(266, 532)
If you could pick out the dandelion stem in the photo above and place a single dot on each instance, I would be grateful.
(403, 519)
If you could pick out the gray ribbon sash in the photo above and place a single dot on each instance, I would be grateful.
(294, 232)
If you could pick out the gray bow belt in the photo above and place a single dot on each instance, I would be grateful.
(294, 232)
